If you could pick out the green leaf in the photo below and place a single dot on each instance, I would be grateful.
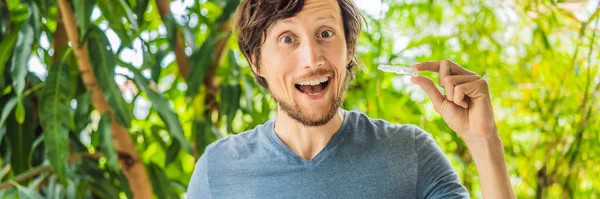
(160, 182)
(201, 59)
(25, 192)
(140, 10)
(124, 184)
(162, 106)
(172, 153)
(204, 135)
(20, 113)
(55, 117)
(228, 11)
(71, 191)
(129, 14)
(83, 11)
(103, 63)
(82, 111)
(8, 107)
(21, 138)
(6, 48)
(106, 143)
(104, 188)
(172, 28)
(4, 18)
(28, 33)
(189, 36)
(230, 102)
(114, 19)
(153, 61)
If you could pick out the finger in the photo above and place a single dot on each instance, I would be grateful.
(435, 66)
(459, 97)
(473, 89)
(459, 79)
(449, 82)
(444, 74)
(434, 94)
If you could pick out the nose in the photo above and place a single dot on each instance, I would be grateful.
(311, 55)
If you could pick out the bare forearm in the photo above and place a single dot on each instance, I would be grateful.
(488, 154)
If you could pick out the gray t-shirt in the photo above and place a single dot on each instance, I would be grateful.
(366, 158)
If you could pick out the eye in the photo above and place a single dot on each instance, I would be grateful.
(326, 34)
(286, 39)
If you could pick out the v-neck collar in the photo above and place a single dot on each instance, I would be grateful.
(321, 155)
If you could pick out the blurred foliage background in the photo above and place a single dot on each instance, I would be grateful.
(119, 98)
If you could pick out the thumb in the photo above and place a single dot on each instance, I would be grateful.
(434, 94)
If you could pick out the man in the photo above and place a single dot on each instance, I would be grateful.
(303, 52)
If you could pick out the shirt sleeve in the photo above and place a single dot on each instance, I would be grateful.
(435, 177)
(199, 186)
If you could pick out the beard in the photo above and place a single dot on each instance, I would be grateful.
(310, 120)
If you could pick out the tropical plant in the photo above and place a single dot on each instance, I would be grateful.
(119, 98)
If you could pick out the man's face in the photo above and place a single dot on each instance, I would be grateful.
(304, 61)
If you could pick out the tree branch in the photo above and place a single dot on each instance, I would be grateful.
(211, 89)
(128, 156)
(46, 168)
(180, 57)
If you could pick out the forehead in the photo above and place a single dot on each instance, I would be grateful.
(317, 10)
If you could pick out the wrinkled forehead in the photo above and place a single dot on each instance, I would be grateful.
(314, 11)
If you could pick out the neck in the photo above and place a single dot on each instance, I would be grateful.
(306, 141)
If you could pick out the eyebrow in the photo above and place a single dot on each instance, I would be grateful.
(320, 18)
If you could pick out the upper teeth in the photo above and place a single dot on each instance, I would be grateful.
(313, 82)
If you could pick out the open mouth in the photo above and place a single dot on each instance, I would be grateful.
(313, 87)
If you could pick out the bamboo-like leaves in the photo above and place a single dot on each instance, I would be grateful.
(55, 116)
(6, 47)
(20, 137)
(115, 10)
(27, 36)
(162, 106)
(201, 59)
(106, 143)
(160, 182)
(103, 63)
(83, 10)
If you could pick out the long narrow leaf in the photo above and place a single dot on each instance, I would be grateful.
(160, 182)
(113, 15)
(129, 14)
(8, 107)
(21, 137)
(103, 64)
(26, 193)
(162, 106)
(55, 117)
(106, 143)
(201, 60)
(27, 35)
(6, 48)
(228, 10)
(83, 11)
(140, 10)
(172, 153)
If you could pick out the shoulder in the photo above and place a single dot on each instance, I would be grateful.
(238, 146)
(376, 129)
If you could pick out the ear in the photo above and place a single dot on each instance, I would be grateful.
(254, 67)
(349, 58)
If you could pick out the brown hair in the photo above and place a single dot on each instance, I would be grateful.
(254, 17)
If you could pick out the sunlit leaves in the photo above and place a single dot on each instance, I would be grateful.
(28, 34)
(103, 63)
